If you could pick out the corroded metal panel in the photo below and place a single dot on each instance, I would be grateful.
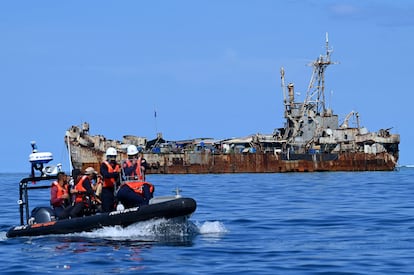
(202, 163)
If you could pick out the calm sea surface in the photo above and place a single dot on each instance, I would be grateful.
(295, 223)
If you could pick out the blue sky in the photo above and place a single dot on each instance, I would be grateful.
(209, 68)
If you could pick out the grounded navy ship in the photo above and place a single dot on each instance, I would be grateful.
(311, 140)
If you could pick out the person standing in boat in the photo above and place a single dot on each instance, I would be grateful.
(110, 171)
(59, 196)
(134, 191)
(84, 194)
(134, 166)
(144, 164)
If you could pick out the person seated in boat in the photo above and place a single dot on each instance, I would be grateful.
(110, 171)
(59, 196)
(85, 200)
(97, 185)
(134, 167)
(133, 193)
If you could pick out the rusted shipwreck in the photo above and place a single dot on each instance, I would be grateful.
(311, 140)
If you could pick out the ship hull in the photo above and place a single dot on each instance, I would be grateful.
(207, 162)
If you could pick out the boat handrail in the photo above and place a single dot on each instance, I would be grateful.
(36, 179)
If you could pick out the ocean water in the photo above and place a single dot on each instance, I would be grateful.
(292, 223)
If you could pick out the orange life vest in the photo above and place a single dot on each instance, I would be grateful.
(110, 182)
(81, 190)
(137, 172)
(60, 190)
(137, 186)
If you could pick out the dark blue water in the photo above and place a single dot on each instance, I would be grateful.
(297, 223)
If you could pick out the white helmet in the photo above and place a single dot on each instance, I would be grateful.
(132, 150)
(111, 151)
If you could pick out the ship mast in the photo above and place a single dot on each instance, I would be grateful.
(298, 114)
(315, 96)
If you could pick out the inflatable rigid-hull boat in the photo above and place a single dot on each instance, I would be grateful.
(42, 220)
(168, 208)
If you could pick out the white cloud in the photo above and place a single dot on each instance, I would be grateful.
(344, 9)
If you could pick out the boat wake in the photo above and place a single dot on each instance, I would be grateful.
(147, 231)
(156, 230)
(3, 236)
(212, 228)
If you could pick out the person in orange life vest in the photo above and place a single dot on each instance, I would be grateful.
(134, 167)
(135, 193)
(82, 190)
(59, 196)
(110, 171)
(131, 167)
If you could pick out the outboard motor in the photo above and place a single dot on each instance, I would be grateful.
(42, 215)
